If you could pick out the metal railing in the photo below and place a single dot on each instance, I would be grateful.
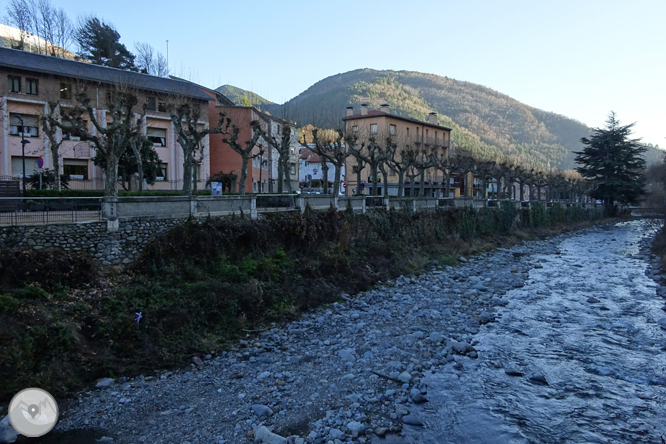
(45, 210)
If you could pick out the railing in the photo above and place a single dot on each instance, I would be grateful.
(27, 211)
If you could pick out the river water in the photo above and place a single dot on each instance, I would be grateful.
(604, 362)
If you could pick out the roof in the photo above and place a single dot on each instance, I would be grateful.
(28, 61)
(376, 113)
(221, 98)
(307, 155)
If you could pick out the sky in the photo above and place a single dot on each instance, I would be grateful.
(580, 59)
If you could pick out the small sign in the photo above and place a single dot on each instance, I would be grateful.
(40, 162)
(344, 185)
(216, 189)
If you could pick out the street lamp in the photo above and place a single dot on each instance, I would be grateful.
(23, 143)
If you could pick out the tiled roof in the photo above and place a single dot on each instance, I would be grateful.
(28, 61)
(308, 156)
(376, 113)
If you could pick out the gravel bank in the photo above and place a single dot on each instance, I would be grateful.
(343, 373)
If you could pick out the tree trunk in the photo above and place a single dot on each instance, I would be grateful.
(139, 164)
(187, 175)
(359, 166)
(422, 183)
(522, 191)
(385, 176)
(111, 176)
(286, 172)
(374, 169)
(324, 176)
(243, 174)
(401, 183)
(280, 175)
(336, 185)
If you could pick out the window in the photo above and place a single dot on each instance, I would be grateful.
(110, 97)
(157, 136)
(392, 172)
(355, 128)
(76, 169)
(14, 84)
(162, 174)
(279, 129)
(355, 169)
(162, 107)
(293, 168)
(66, 91)
(392, 130)
(31, 87)
(69, 134)
(151, 104)
(30, 125)
(373, 128)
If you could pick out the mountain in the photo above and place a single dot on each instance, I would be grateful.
(236, 95)
(485, 122)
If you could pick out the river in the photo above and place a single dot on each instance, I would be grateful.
(586, 323)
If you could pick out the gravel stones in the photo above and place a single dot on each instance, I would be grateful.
(347, 355)
(105, 382)
(412, 421)
(262, 411)
(264, 436)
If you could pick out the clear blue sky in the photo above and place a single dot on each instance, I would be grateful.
(578, 58)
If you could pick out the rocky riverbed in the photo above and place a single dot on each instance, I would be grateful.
(379, 364)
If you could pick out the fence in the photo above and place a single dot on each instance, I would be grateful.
(27, 211)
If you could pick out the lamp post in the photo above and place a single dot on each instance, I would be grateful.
(23, 143)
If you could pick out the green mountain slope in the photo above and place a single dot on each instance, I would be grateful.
(236, 95)
(485, 121)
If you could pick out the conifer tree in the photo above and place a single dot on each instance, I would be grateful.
(613, 163)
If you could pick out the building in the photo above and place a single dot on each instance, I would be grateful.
(310, 168)
(29, 82)
(406, 132)
(263, 169)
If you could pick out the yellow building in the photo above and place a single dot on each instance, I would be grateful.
(420, 138)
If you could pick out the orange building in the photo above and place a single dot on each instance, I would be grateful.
(406, 132)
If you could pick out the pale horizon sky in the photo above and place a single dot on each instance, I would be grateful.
(580, 59)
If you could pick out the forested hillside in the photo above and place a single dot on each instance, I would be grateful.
(485, 121)
(236, 95)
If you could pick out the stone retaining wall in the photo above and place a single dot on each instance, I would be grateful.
(110, 248)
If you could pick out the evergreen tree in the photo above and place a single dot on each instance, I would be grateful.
(99, 43)
(613, 163)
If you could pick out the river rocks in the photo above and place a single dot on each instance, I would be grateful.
(264, 436)
(105, 382)
(197, 361)
(262, 411)
(592, 300)
(332, 374)
(662, 323)
(7, 432)
(538, 379)
(412, 420)
(513, 372)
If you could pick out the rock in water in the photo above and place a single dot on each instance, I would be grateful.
(538, 379)
(662, 323)
(592, 300)
(412, 420)
(265, 436)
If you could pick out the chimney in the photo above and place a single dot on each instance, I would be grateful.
(364, 109)
(384, 108)
(432, 118)
(350, 111)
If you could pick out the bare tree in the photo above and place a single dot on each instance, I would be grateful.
(246, 152)
(333, 151)
(150, 61)
(111, 138)
(50, 25)
(186, 119)
(355, 149)
(51, 129)
(283, 147)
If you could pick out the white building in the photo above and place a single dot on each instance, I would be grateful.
(310, 168)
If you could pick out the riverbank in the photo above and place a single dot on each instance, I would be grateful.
(202, 286)
(350, 371)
